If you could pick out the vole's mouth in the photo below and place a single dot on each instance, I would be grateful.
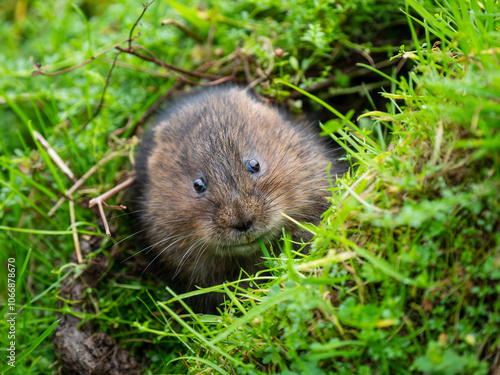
(245, 248)
(249, 244)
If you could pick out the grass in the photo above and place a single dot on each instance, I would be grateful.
(403, 273)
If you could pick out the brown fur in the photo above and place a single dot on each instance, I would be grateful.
(211, 135)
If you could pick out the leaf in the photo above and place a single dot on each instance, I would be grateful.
(37, 342)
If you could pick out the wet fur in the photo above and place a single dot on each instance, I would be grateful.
(211, 135)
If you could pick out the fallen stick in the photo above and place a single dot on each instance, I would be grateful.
(110, 193)
(80, 182)
(76, 240)
(54, 155)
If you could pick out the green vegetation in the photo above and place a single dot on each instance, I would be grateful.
(403, 273)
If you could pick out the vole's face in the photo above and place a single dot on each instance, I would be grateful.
(223, 182)
(236, 197)
(227, 194)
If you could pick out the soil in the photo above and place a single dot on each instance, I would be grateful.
(80, 350)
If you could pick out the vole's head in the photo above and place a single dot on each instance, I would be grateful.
(221, 168)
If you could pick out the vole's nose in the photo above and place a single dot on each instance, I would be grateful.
(240, 214)
(242, 224)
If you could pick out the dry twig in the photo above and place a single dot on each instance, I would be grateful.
(145, 6)
(90, 172)
(99, 201)
(39, 71)
(101, 101)
(166, 66)
(75, 233)
(54, 156)
(60, 163)
(182, 27)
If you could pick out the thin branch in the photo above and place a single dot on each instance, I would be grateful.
(112, 207)
(366, 56)
(75, 232)
(54, 156)
(137, 22)
(80, 182)
(225, 79)
(38, 68)
(101, 101)
(123, 64)
(100, 200)
(403, 61)
(110, 193)
(215, 64)
(192, 73)
(103, 218)
(118, 132)
(182, 27)
(164, 66)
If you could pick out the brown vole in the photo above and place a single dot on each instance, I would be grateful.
(214, 175)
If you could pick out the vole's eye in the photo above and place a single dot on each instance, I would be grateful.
(199, 185)
(253, 166)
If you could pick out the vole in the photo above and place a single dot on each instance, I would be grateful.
(214, 176)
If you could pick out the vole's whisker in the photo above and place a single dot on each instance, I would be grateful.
(186, 256)
(125, 214)
(159, 253)
(132, 235)
(200, 253)
(149, 247)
